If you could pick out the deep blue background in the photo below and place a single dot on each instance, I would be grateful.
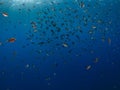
(52, 66)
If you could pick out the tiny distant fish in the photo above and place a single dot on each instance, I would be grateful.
(5, 14)
(94, 27)
(88, 67)
(65, 45)
(11, 40)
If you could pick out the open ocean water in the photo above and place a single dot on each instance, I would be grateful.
(59, 44)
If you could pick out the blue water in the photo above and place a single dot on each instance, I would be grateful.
(60, 45)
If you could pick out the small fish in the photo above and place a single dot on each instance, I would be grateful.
(88, 67)
(11, 40)
(65, 45)
(94, 27)
(5, 14)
